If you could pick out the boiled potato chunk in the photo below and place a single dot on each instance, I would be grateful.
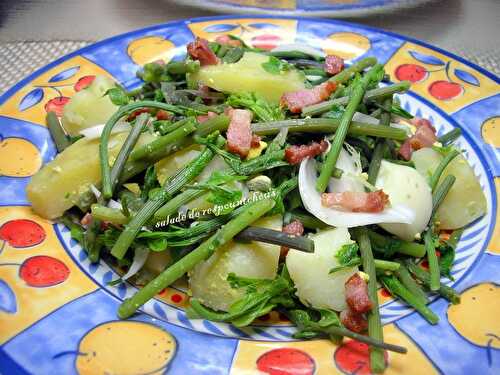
(465, 202)
(56, 187)
(208, 280)
(248, 75)
(89, 107)
(407, 187)
(316, 287)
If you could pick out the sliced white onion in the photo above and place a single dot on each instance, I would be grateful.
(140, 256)
(312, 202)
(299, 47)
(95, 131)
(350, 163)
(114, 204)
(95, 191)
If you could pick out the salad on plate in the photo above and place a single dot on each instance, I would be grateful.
(268, 180)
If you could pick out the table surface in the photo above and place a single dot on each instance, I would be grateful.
(466, 27)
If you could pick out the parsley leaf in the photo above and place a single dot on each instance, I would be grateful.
(262, 110)
(347, 253)
(275, 65)
(117, 95)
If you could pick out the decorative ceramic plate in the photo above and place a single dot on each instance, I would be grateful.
(315, 8)
(65, 322)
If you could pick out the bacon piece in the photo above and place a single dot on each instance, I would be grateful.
(295, 154)
(136, 113)
(199, 50)
(354, 201)
(425, 136)
(255, 141)
(353, 321)
(203, 118)
(163, 115)
(334, 64)
(85, 221)
(296, 100)
(295, 228)
(239, 133)
(356, 295)
(227, 40)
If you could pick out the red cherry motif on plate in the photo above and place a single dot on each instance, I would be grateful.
(286, 361)
(266, 41)
(56, 105)
(22, 233)
(176, 298)
(42, 271)
(411, 72)
(445, 90)
(353, 357)
(83, 82)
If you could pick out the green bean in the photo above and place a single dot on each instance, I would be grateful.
(173, 204)
(386, 265)
(381, 146)
(90, 242)
(314, 72)
(57, 132)
(183, 67)
(106, 133)
(276, 238)
(404, 276)
(216, 123)
(441, 191)
(328, 125)
(252, 212)
(432, 260)
(359, 66)
(308, 221)
(171, 186)
(450, 137)
(357, 93)
(441, 167)
(287, 55)
(445, 291)
(146, 150)
(126, 149)
(378, 153)
(317, 109)
(166, 126)
(111, 215)
(403, 247)
(377, 361)
(407, 163)
(394, 286)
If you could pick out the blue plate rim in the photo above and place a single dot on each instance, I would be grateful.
(16, 87)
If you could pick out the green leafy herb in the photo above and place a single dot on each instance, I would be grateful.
(347, 253)
(118, 96)
(447, 251)
(233, 55)
(275, 65)
(156, 241)
(261, 296)
(351, 263)
(313, 323)
(263, 110)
